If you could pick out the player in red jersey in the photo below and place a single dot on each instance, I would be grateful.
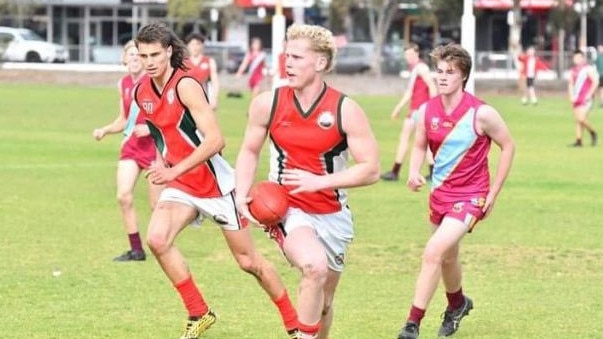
(254, 62)
(137, 152)
(458, 128)
(529, 66)
(421, 87)
(583, 83)
(199, 182)
(312, 128)
(202, 67)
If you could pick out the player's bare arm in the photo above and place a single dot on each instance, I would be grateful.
(116, 126)
(403, 101)
(362, 146)
(249, 152)
(490, 123)
(417, 155)
(425, 73)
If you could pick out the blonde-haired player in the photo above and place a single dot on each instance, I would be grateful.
(312, 127)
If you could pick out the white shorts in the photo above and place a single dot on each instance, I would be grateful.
(334, 230)
(221, 210)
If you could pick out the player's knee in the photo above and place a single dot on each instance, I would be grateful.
(315, 271)
(125, 198)
(252, 263)
(157, 242)
(432, 255)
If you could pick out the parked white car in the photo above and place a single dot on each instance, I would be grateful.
(22, 44)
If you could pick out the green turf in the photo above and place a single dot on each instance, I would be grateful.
(533, 269)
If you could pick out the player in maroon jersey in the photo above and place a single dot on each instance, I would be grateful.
(312, 128)
(199, 182)
(137, 152)
(458, 128)
(421, 87)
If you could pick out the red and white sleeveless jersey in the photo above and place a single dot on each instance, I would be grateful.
(312, 141)
(420, 90)
(582, 84)
(176, 137)
(200, 71)
(460, 153)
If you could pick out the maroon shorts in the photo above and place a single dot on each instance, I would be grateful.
(468, 211)
(141, 150)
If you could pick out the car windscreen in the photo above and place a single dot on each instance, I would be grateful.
(30, 35)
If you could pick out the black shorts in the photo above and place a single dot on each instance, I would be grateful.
(530, 82)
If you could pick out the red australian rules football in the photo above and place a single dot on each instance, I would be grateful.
(269, 202)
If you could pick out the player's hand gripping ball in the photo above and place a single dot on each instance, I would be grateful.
(269, 202)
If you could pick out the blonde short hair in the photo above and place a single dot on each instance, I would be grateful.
(321, 40)
(124, 52)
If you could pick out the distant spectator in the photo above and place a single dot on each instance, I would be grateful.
(529, 65)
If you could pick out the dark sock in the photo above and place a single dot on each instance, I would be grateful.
(396, 168)
(135, 242)
(455, 299)
(578, 141)
(416, 315)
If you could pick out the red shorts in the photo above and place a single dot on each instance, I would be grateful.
(255, 79)
(141, 150)
(468, 211)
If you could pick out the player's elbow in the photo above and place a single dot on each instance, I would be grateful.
(373, 172)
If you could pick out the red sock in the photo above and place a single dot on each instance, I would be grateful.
(455, 299)
(191, 297)
(311, 330)
(416, 315)
(288, 313)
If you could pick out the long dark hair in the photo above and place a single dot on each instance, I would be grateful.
(159, 32)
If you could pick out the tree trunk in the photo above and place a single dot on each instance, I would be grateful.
(378, 29)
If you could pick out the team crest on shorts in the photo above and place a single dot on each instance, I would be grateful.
(458, 207)
(325, 120)
(170, 96)
(479, 202)
(340, 259)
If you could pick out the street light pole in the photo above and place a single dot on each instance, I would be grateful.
(583, 37)
(468, 40)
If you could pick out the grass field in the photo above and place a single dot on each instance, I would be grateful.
(534, 268)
